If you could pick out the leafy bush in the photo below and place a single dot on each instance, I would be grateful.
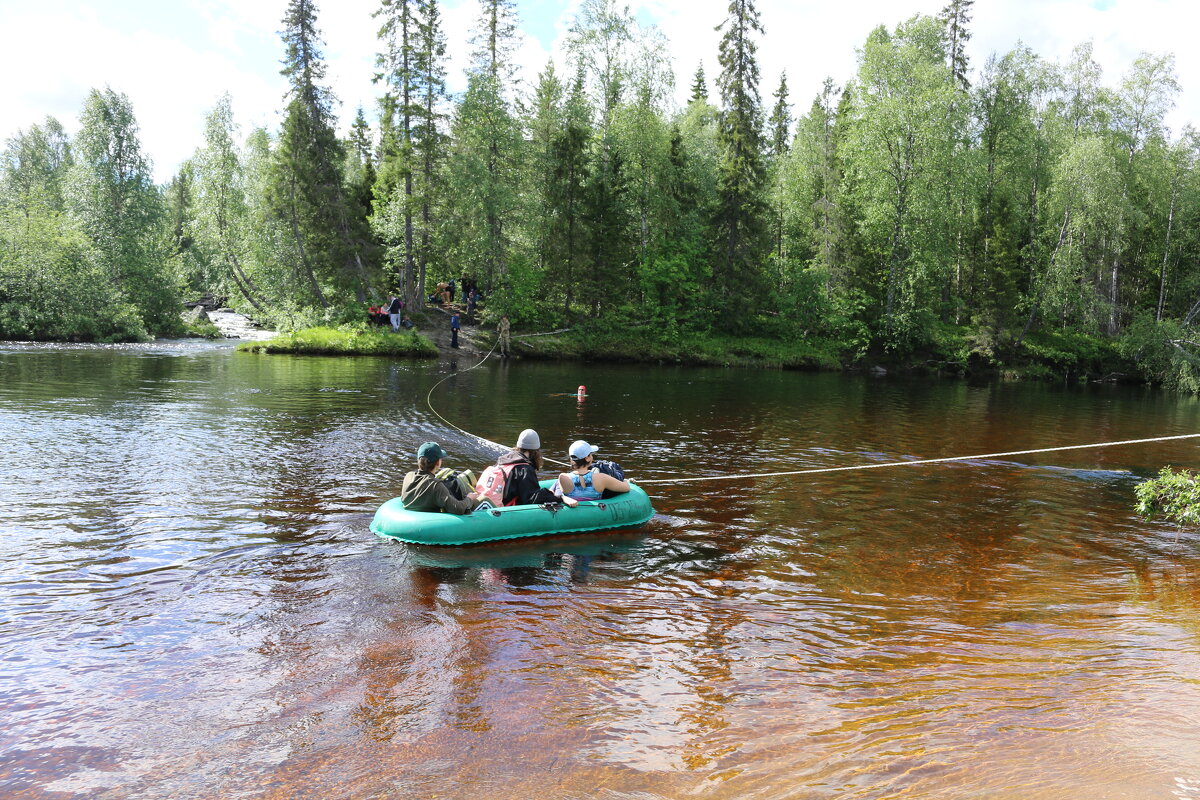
(1162, 352)
(1070, 351)
(1174, 496)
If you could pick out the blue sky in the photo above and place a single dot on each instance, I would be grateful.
(175, 58)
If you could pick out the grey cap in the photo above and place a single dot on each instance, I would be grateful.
(529, 440)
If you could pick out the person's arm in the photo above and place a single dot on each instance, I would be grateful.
(605, 482)
(564, 480)
(451, 504)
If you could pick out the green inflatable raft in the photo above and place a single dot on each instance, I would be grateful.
(511, 522)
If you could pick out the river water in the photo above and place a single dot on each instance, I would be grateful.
(191, 603)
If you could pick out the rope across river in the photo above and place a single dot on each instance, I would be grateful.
(497, 445)
(815, 470)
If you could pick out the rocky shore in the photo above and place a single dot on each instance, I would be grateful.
(230, 323)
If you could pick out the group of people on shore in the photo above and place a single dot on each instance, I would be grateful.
(511, 481)
(391, 312)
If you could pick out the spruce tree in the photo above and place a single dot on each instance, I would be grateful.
(699, 86)
(429, 141)
(566, 257)
(307, 187)
(487, 149)
(399, 71)
(741, 208)
(781, 119)
(955, 17)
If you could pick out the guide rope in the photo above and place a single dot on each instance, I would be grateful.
(489, 442)
(813, 471)
(913, 463)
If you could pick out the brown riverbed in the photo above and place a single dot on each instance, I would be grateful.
(192, 605)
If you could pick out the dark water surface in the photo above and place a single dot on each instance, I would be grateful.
(191, 604)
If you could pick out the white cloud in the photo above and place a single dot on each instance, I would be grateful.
(174, 63)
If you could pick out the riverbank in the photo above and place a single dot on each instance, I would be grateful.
(951, 351)
(955, 351)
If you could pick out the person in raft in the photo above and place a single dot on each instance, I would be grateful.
(585, 482)
(422, 491)
(521, 465)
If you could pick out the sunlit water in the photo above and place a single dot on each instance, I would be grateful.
(192, 604)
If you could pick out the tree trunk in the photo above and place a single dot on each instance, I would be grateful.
(245, 285)
(1162, 277)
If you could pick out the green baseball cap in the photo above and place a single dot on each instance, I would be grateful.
(431, 450)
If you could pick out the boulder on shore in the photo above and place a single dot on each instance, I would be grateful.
(195, 315)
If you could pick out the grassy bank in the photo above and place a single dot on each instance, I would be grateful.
(346, 341)
(652, 345)
(953, 350)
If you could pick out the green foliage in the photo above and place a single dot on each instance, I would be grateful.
(1163, 352)
(668, 343)
(111, 197)
(1174, 496)
(1070, 352)
(346, 341)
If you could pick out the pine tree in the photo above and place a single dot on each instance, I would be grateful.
(741, 207)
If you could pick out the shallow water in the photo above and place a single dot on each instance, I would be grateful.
(191, 604)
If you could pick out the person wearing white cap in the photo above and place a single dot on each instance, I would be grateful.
(585, 482)
(521, 465)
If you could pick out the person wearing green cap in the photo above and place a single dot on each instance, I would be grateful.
(422, 491)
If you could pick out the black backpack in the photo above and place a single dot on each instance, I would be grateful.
(610, 468)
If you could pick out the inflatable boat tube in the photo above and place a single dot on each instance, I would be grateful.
(627, 510)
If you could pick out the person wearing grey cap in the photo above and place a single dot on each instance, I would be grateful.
(521, 465)
(584, 481)
(422, 491)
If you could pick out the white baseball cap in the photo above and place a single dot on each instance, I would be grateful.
(582, 449)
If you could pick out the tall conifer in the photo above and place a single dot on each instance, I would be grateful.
(741, 207)
(307, 187)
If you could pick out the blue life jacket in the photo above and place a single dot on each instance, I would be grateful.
(583, 488)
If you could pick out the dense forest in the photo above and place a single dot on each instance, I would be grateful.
(928, 207)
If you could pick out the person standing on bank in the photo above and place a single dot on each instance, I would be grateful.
(393, 308)
(422, 491)
(454, 326)
(522, 464)
(585, 482)
(503, 330)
